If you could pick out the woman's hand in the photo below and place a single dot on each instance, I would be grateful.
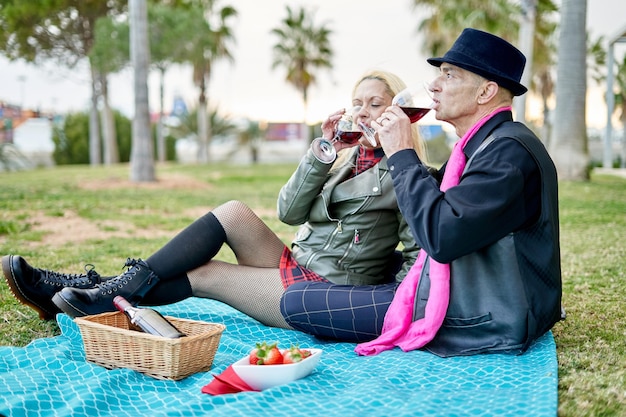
(329, 128)
(330, 125)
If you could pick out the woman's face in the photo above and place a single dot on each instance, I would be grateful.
(373, 98)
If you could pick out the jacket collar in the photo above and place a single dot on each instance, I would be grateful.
(485, 131)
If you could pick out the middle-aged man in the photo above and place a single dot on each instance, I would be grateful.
(490, 278)
(496, 224)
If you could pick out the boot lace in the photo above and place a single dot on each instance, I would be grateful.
(89, 279)
(134, 265)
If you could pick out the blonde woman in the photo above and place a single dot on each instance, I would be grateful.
(350, 229)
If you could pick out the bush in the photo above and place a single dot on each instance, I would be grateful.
(71, 140)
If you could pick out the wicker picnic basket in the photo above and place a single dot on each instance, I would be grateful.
(109, 342)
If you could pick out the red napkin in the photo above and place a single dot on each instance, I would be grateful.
(228, 382)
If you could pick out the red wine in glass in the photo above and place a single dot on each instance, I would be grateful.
(349, 137)
(414, 102)
(345, 132)
(415, 113)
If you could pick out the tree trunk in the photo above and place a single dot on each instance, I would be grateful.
(546, 129)
(546, 88)
(568, 145)
(142, 153)
(307, 131)
(95, 154)
(526, 43)
(204, 125)
(160, 132)
(203, 141)
(623, 118)
(109, 134)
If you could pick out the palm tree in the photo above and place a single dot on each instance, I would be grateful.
(619, 101)
(537, 43)
(544, 52)
(250, 137)
(447, 18)
(188, 126)
(301, 49)
(568, 145)
(142, 151)
(169, 30)
(209, 41)
(109, 54)
(526, 45)
(61, 30)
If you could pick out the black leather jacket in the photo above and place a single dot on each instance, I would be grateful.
(506, 293)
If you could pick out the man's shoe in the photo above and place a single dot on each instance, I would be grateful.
(35, 287)
(132, 285)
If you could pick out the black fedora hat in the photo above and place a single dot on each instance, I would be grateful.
(489, 56)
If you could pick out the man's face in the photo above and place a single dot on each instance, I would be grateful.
(455, 94)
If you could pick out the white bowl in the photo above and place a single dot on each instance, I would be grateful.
(261, 377)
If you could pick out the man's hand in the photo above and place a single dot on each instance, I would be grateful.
(394, 130)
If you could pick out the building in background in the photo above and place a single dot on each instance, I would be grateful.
(25, 137)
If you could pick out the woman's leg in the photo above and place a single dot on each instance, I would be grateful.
(252, 241)
(233, 223)
(252, 290)
(168, 292)
(253, 286)
(349, 313)
(193, 246)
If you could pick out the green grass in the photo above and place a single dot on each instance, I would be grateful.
(128, 220)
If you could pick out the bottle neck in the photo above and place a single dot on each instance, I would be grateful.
(122, 304)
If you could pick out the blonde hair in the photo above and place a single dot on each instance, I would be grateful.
(394, 85)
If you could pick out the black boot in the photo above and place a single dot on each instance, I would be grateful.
(35, 287)
(132, 285)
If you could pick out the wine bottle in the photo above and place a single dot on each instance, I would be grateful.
(147, 319)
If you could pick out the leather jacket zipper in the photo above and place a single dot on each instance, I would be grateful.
(356, 240)
(338, 229)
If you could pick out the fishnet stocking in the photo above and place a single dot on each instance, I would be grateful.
(253, 243)
(253, 286)
(251, 290)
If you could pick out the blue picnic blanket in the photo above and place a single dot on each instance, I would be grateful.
(50, 377)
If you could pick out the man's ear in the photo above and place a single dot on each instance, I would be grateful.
(487, 92)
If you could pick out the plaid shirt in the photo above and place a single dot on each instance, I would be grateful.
(367, 158)
(290, 271)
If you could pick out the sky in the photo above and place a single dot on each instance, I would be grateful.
(365, 35)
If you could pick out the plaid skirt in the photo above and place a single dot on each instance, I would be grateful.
(291, 271)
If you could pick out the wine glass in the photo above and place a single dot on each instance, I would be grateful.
(345, 132)
(368, 132)
(415, 102)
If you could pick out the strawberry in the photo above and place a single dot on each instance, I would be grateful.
(254, 358)
(294, 354)
(266, 354)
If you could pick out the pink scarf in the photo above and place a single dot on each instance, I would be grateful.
(398, 327)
